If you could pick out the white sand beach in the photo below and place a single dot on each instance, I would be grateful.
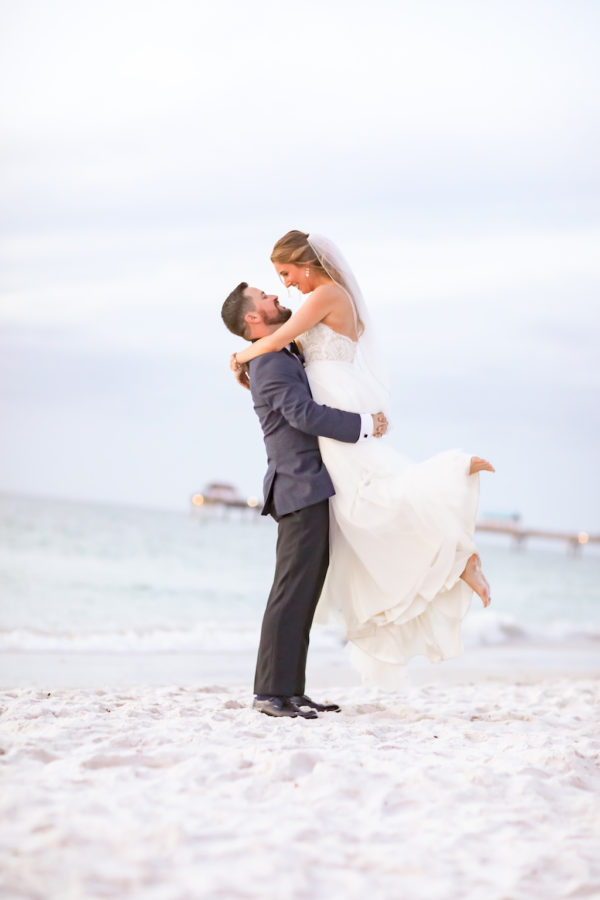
(132, 764)
(472, 783)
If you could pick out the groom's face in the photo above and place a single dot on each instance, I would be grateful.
(267, 307)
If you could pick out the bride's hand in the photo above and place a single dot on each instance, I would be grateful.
(241, 375)
(234, 365)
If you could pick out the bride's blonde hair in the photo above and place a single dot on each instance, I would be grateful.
(295, 248)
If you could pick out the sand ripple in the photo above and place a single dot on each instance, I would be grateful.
(487, 790)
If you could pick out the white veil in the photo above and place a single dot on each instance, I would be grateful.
(369, 354)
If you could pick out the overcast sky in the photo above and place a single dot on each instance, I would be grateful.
(153, 152)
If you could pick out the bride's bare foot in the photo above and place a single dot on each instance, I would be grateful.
(476, 580)
(480, 465)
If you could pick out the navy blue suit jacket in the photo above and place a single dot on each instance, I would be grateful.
(291, 421)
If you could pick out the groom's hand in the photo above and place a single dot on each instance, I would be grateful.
(380, 424)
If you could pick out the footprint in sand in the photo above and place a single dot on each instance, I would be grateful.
(302, 763)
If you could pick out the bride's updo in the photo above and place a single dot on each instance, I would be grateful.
(294, 248)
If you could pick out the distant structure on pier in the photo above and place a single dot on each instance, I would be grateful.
(220, 496)
(510, 524)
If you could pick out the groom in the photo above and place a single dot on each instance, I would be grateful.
(296, 491)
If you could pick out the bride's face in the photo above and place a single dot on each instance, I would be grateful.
(294, 276)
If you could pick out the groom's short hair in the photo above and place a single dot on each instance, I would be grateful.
(235, 308)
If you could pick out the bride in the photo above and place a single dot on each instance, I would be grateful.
(403, 564)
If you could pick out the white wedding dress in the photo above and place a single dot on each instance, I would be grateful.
(401, 533)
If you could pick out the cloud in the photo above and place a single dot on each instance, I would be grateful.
(197, 110)
(154, 153)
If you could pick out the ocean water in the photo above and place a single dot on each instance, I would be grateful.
(99, 579)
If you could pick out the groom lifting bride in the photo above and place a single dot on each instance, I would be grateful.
(402, 564)
(297, 488)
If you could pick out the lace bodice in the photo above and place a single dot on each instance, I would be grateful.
(323, 343)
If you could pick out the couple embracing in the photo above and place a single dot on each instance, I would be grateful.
(383, 545)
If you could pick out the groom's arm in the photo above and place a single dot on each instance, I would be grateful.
(279, 381)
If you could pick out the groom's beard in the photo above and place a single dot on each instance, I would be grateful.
(278, 318)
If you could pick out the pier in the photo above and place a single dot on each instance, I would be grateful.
(512, 527)
(223, 500)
